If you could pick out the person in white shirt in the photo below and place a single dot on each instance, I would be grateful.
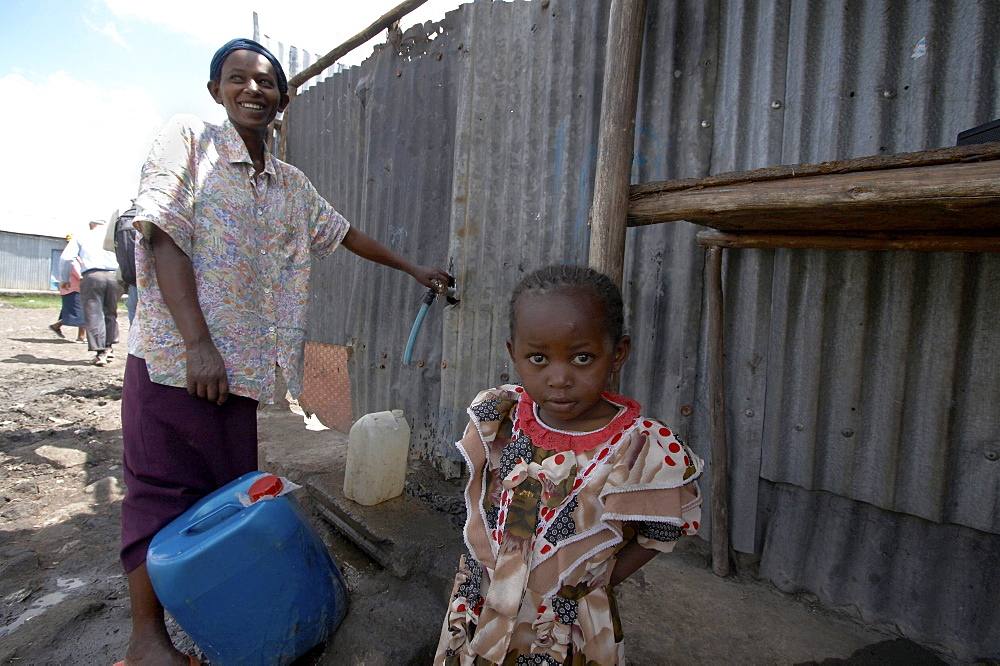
(99, 288)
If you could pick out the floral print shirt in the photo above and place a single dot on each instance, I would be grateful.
(251, 239)
(548, 511)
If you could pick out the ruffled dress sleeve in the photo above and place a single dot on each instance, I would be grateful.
(653, 487)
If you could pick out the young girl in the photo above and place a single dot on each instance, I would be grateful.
(571, 489)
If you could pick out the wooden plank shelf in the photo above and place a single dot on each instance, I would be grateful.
(952, 190)
(945, 200)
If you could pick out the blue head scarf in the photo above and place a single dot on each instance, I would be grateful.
(215, 72)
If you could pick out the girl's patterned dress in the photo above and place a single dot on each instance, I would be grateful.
(547, 512)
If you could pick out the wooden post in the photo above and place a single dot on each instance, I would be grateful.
(612, 180)
(294, 83)
(282, 128)
(383, 23)
(717, 414)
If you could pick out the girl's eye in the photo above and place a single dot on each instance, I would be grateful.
(266, 83)
(536, 359)
(582, 359)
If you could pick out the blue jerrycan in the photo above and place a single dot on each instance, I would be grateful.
(249, 584)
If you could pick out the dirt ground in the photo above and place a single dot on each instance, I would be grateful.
(63, 598)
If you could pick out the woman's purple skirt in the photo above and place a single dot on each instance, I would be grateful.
(72, 312)
(178, 449)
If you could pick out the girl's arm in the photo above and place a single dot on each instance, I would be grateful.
(206, 371)
(630, 559)
(368, 248)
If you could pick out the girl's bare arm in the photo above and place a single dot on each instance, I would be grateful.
(630, 559)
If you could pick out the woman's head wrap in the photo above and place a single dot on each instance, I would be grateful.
(215, 72)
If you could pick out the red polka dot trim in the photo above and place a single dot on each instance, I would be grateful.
(665, 432)
(674, 447)
(670, 461)
(554, 440)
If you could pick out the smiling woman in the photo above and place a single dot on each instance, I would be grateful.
(249, 82)
(233, 231)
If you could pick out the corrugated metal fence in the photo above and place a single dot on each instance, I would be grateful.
(27, 261)
(862, 387)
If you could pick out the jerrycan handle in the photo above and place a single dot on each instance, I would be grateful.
(212, 519)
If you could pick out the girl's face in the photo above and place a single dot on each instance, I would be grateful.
(565, 356)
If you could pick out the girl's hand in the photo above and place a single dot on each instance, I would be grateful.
(630, 559)
(431, 277)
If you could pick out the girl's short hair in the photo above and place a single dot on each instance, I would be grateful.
(570, 277)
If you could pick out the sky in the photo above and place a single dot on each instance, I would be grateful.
(86, 85)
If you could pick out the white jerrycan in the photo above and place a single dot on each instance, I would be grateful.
(377, 450)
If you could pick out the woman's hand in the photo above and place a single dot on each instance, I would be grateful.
(432, 277)
(368, 248)
(206, 373)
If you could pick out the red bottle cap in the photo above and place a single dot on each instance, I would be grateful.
(268, 484)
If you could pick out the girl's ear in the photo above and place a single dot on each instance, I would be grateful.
(510, 349)
(622, 350)
(213, 90)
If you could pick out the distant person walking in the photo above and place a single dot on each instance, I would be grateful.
(125, 235)
(72, 312)
(99, 288)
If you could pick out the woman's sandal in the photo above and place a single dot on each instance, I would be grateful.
(55, 329)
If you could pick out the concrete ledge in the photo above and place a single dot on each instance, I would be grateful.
(401, 534)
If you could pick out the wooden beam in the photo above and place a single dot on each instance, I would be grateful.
(971, 153)
(386, 20)
(945, 197)
(913, 242)
(717, 414)
(613, 176)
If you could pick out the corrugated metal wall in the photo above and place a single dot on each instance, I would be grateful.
(26, 260)
(862, 387)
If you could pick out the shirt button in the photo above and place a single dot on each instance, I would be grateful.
(271, 328)
(260, 211)
(263, 251)
(266, 290)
